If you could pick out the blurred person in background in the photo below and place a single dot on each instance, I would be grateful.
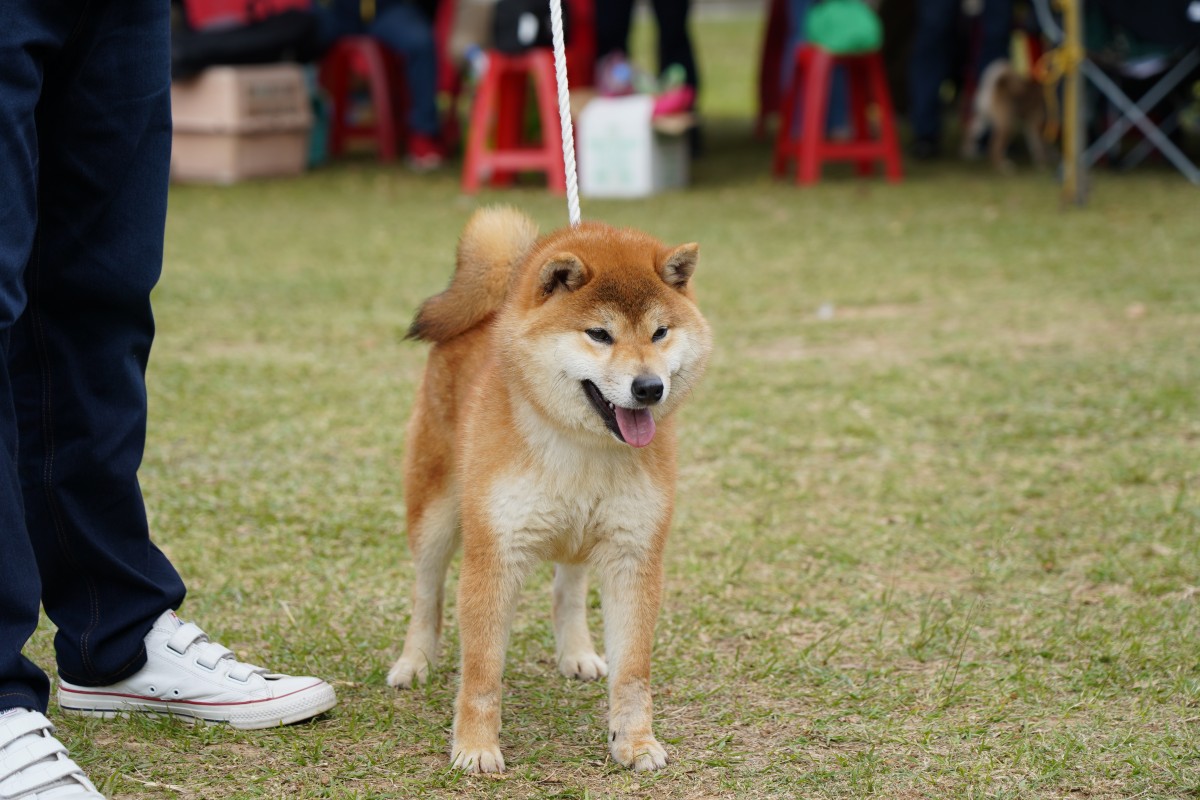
(935, 43)
(405, 29)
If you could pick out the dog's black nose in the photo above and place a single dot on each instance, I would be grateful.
(647, 388)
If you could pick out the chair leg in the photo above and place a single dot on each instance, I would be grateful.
(552, 136)
(786, 138)
(858, 86)
(477, 135)
(887, 120)
(812, 127)
(451, 124)
(335, 77)
(1134, 114)
(381, 101)
(510, 118)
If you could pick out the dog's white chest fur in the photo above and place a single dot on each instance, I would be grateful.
(574, 504)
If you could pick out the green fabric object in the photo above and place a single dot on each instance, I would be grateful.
(843, 26)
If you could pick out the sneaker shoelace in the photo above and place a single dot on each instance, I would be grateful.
(188, 637)
(33, 761)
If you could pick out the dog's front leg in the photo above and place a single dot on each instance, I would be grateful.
(631, 592)
(487, 593)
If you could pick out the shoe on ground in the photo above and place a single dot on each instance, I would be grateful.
(676, 100)
(424, 152)
(34, 765)
(190, 677)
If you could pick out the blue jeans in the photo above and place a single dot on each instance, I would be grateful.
(85, 142)
(838, 113)
(933, 50)
(406, 31)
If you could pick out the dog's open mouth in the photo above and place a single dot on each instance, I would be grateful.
(634, 426)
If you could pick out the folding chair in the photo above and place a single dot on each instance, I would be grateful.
(1184, 43)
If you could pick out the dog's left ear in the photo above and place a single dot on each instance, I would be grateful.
(563, 272)
(679, 265)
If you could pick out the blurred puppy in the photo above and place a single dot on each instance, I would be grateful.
(1005, 101)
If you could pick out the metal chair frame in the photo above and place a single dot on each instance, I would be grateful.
(1133, 114)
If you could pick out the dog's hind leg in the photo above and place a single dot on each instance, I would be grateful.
(1035, 142)
(433, 537)
(576, 655)
(973, 134)
(1001, 137)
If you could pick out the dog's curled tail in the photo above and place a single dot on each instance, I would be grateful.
(494, 240)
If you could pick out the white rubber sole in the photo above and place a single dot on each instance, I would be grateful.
(250, 715)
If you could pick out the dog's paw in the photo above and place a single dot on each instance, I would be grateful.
(586, 666)
(473, 760)
(407, 673)
(639, 753)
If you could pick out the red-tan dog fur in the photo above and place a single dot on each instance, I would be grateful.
(508, 445)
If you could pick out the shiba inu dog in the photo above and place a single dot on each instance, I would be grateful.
(1004, 101)
(543, 429)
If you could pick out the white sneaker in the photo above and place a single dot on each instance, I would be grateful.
(34, 765)
(190, 677)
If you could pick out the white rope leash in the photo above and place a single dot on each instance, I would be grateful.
(564, 110)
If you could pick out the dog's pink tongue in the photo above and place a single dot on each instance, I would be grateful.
(636, 424)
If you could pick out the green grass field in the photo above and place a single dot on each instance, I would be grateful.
(940, 542)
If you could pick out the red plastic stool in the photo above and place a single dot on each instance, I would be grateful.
(811, 80)
(501, 98)
(365, 58)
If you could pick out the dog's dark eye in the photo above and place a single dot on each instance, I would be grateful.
(599, 335)
(659, 335)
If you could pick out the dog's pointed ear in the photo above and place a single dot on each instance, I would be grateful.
(679, 265)
(563, 272)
